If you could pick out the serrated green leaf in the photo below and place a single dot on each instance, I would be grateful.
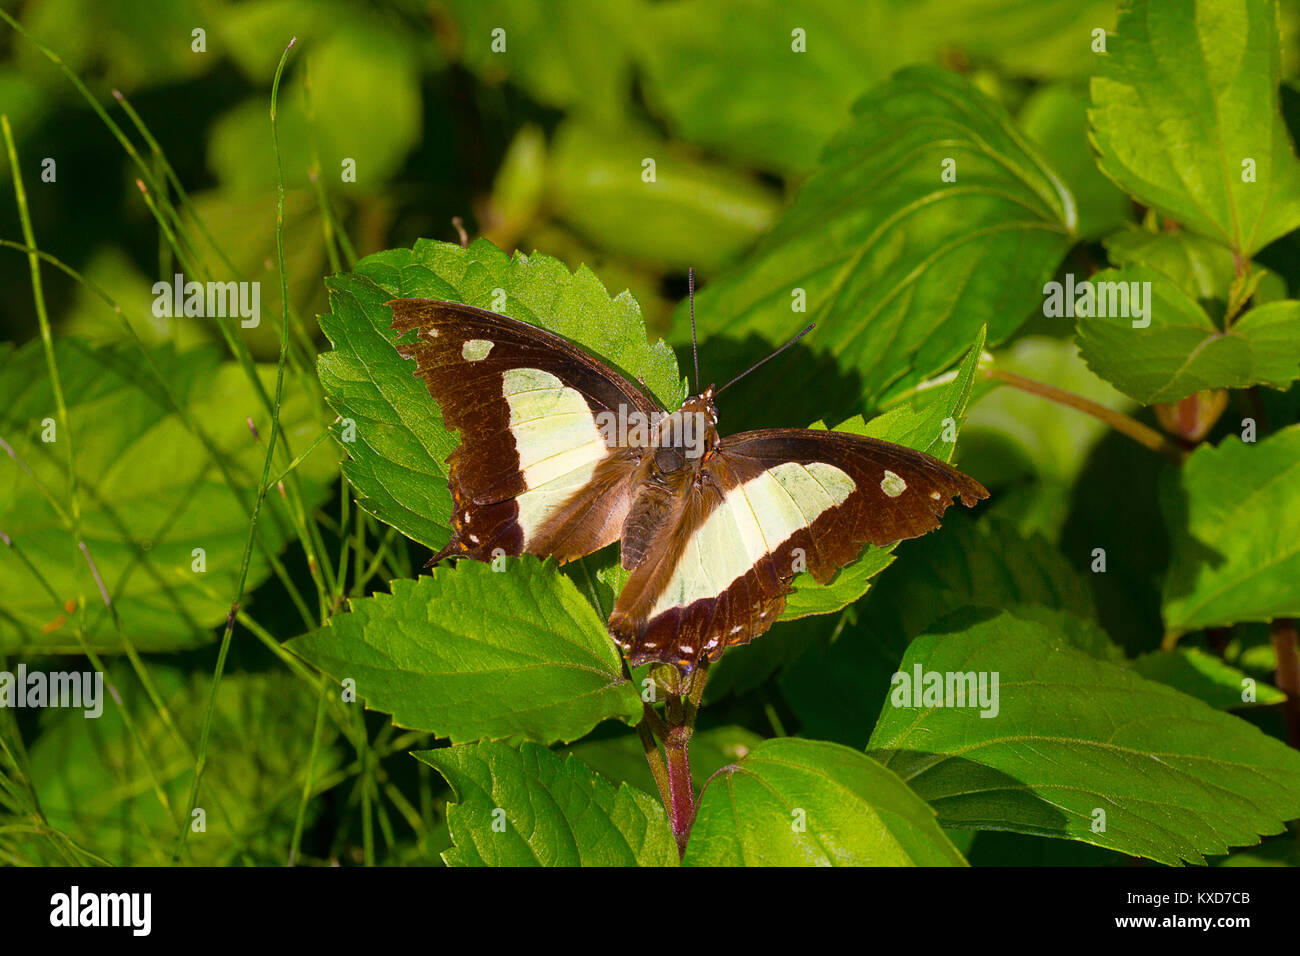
(1205, 677)
(471, 653)
(1234, 518)
(1201, 267)
(1074, 735)
(397, 461)
(527, 806)
(792, 802)
(1183, 351)
(900, 269)
(150, 494)
(1187, 91)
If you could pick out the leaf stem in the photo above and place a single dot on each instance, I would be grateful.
(681, 711)
(1283, 634)
(1130, 427)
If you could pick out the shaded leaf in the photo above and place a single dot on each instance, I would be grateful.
(1205, 677)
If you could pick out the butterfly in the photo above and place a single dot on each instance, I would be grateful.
(561, 455)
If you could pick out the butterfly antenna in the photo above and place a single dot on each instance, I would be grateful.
(695, 349)
(767, 359)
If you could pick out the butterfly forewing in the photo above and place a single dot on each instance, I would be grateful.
(533, 471)
(768, 505)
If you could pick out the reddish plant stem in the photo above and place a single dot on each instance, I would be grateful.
(680, 712)
(681, 809)
(1121, 423)
(1283, 633)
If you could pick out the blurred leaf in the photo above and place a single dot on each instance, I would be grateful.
(556, 812)
(1234, 519)
(397, 464)
(571, 54)
(900, 269)
(149, 493)
(1031, 450)
(1055, 117)
(1184, 351)
(1186, 93)
(1074, 735)
(129, 44)
(791, 802)
(468, 652)
(692, 214)
(243, 225)
(365, 96)
(94, 785)
(1205, 677)
(763, 103)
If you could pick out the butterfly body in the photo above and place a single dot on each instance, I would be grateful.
(562, 455)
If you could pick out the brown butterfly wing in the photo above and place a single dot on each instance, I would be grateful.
(768, 504)
(525, 402)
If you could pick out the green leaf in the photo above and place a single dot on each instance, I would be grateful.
(95, 787)
(1073, 735)
(150, 493)
(1187, 92)
(1199, 266)
(921, 426)
(1055, 117)
(899, 268)
(691, 214)
(772, 106)
(555, 811)
(571, 54)
(1234, 516)
(792, 802)
(470, 653)
(397, 461)
(978, 561)
(1205, 677)
(1183, 351)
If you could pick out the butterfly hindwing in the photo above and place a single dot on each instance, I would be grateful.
(533, 472)
(769, 504)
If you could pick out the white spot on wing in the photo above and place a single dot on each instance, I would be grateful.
(476, 350)
(892, 485)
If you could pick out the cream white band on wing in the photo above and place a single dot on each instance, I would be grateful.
(753, 520)
(557, 440)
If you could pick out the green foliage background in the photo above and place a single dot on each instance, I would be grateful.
(776, 171)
